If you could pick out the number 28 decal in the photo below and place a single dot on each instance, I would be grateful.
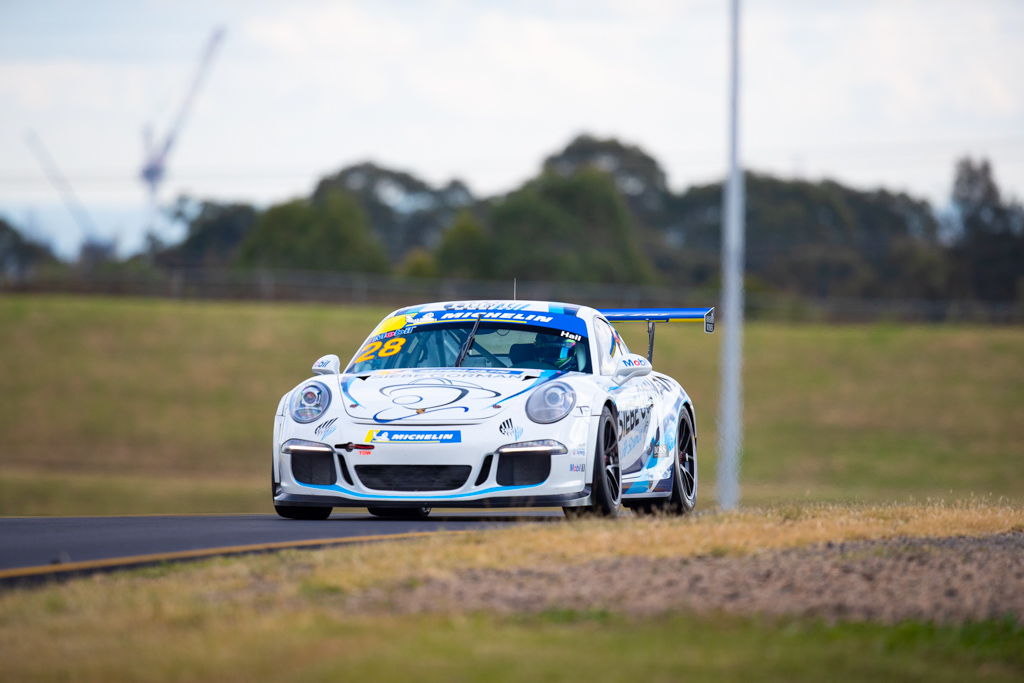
(381, 349)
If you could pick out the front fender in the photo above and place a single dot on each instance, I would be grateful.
(279, 418)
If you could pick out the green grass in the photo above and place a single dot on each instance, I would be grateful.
(596, 647)
(151, 389)
(31, 492)
(319, 645)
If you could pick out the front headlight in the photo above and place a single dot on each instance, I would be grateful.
(310, 401)
(551, 402)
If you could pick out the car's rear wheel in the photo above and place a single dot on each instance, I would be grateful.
(421, 512)
(684, 484)
(302, 512)
(606, 489)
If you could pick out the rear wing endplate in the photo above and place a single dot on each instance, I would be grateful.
(661, 315)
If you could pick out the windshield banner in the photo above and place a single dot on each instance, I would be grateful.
(400, 324)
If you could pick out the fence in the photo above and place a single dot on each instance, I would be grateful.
(357, 288)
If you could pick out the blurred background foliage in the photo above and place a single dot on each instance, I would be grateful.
(601, 210)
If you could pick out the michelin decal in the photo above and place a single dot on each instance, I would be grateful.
(406, 436)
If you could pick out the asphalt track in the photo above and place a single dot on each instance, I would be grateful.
(48, 546)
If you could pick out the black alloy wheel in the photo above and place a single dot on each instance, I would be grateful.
(606, 489)
(684, 484)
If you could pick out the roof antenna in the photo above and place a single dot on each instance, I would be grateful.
(513, 289)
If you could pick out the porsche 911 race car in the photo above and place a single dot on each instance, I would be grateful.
(490, 404)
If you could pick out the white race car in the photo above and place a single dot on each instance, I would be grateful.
(490, 404)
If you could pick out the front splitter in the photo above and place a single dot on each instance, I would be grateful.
(577, 499)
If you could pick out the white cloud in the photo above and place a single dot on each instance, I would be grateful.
(867, 91)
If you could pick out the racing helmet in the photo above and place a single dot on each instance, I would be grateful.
(559, 352)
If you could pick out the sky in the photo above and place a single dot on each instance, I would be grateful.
(868, 92)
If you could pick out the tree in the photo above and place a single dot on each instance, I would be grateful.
(466, 249)
(18, 254)
(637, 175)
(814, 238)
(96, 254)
(404, 211)
(419, 263)
(569, 228)
(330, 234)
(215, 233)
(989, 250)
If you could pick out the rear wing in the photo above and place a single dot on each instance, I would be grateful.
(661, 315)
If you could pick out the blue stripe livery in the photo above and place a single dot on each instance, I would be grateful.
(663, 315)
(658, 315)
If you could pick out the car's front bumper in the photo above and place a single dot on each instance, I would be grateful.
(438, 475)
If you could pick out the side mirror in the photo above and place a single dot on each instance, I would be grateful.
(327, 365)
(632, 365)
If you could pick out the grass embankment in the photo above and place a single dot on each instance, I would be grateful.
(285, 616)
(163, 393)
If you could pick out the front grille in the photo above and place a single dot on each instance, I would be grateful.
(523, 469)
(413, 477)
(313, 468)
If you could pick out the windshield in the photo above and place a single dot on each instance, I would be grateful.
(493, 345)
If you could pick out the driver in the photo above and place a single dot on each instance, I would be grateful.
(561, 353)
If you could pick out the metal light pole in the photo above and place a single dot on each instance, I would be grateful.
(730, 427)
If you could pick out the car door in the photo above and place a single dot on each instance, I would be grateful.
(633, 398)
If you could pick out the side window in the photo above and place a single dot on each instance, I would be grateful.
(609, 347)
(620, 345)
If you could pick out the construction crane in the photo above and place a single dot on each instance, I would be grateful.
(155, 165)
(62, 185)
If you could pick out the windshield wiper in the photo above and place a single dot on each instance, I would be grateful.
(469, 342)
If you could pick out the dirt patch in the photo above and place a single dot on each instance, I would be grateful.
(945, 580)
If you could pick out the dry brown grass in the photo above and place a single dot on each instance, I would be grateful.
(526, 545)
(239, 618)
(710, 534)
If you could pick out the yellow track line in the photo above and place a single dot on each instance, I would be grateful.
(351, 512)
(130, 560)
(143, 514)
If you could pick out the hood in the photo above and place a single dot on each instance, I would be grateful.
(435, 395)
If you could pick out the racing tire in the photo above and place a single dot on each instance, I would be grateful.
(302, 512)
(421, 512)
(296, 511)
(606, 489)
(684, 475)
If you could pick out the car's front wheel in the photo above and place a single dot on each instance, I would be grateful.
(302, 512)
(421, 512)
(606, 489)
